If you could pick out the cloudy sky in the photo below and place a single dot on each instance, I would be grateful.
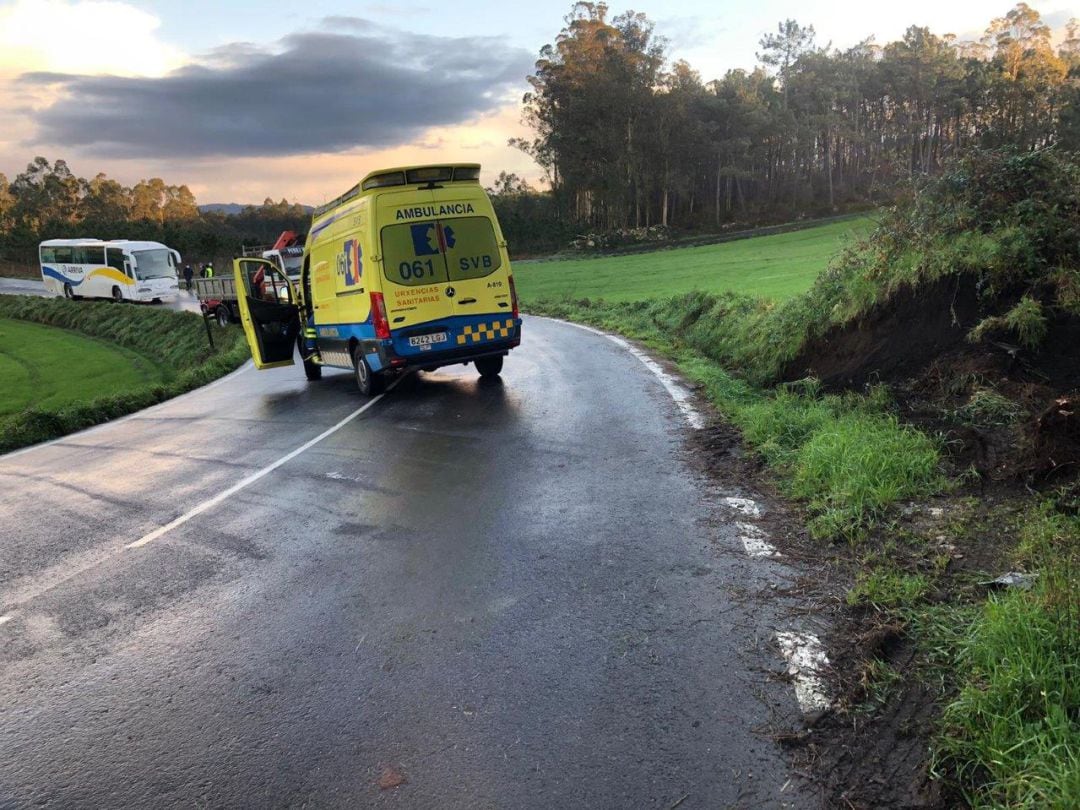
(298, 99)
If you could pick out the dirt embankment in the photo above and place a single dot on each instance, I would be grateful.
(1007, 413)
(1004, 410)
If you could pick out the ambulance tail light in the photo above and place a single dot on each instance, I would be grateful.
(378, 316)
(513, 297)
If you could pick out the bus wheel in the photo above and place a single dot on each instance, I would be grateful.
(117, 295)
(369, 383)
(489, 366)
(69, 293)
(224, 317)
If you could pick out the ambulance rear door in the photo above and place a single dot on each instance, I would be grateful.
(477, 267)
(413, 247)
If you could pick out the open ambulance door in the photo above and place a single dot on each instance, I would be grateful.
(268, 311)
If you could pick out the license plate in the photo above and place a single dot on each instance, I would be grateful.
(427, 340)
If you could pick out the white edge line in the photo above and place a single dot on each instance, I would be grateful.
(5, 619)
(255, 476)
(755, 541)
(678, 392)
(806, 659)
(137, 414)
(746, 506)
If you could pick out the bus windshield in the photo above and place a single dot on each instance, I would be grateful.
(154, 264)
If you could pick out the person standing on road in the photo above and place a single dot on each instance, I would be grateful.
(188, 273)
(208, 270)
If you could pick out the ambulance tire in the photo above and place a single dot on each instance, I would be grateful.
(369, 383)
(489, 367)
(313, 371)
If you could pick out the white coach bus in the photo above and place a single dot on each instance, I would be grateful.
(120, 269)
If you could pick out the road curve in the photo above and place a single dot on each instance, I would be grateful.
(508, 595)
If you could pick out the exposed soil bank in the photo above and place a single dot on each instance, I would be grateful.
(1003, 410)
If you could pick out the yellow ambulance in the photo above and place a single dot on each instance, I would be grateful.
(408, 268)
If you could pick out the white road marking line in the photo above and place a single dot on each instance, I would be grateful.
(6, 619)
(255, 476)
(746, 506)
(755, 541)
(806, 659)
(336, 476)
(122, 419)
(675, 389)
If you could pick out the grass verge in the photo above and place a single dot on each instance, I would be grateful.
(176, 341)
(49, 367)
(1011, 731)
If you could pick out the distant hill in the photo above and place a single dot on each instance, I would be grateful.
(231, 209)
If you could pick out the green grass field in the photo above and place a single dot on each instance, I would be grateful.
(774, 267)
(47, 367)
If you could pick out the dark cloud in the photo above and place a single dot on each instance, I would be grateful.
(357, 85)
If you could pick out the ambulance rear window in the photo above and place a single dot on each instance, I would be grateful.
(440, 250)
(474, 251)
(413, 254)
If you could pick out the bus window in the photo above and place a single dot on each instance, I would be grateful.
(90, 255)
(48, 255)
(115, 258)
(64, 255)
(156, 263)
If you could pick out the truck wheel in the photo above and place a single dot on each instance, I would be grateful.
(489, 366)
(369, 383)
(117, 295)
(223, 315)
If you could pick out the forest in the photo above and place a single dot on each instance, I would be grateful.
(48, 201)
(628, 139)
(633, 143)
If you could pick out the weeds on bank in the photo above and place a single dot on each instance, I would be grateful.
(883, 588)
(1008, 664)
(1012, 735)
(176, 340)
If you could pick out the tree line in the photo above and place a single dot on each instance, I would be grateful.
(628, 139)
(48, 201)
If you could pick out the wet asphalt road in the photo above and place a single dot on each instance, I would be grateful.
(515, 595)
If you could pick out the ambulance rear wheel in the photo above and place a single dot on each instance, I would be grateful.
(489, 367)
(369, 383)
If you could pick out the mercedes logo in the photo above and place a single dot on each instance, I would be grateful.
(450, 292)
